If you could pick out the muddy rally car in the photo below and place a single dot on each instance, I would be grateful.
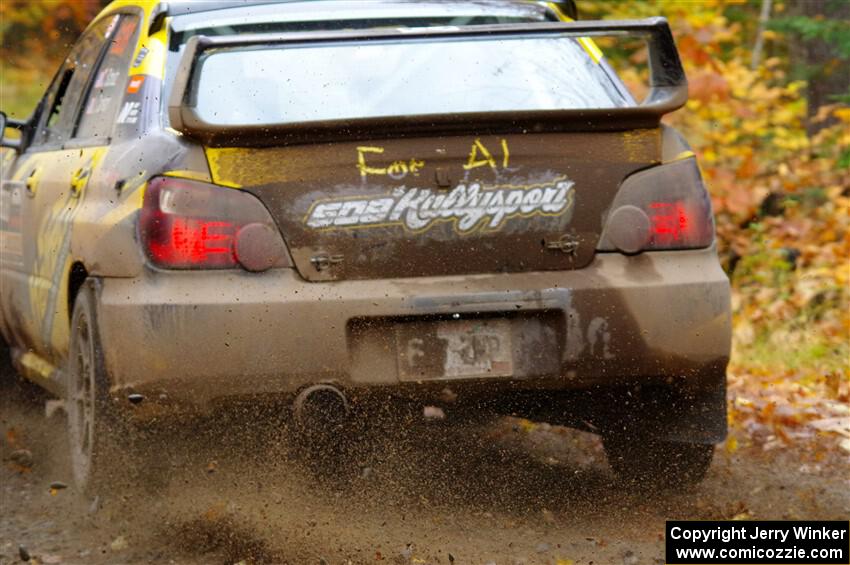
(455, 203)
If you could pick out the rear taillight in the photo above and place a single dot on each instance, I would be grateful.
(193, 225)
(665, 207)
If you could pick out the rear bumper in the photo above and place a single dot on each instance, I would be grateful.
(621, 320)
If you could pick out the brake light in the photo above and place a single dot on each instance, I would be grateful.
(192, 225)
(666, 207)
(191, 241)
(669, 222)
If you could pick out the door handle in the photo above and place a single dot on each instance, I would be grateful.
(32, 182)
(79, 179)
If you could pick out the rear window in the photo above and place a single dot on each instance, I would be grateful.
(334, 15)
(338, 81)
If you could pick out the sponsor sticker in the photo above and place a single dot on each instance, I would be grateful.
(129, 113)
(135, 84)
(140, 56)
(470, 207)
(106, 78)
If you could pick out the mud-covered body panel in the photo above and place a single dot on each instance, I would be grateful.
(620, 320)
(440, 205)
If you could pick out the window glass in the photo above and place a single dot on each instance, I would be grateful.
(405, 78)
(107, 90)
(57, 125)
(271, 18)
(48, 114)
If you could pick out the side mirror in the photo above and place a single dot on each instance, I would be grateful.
(4, 123)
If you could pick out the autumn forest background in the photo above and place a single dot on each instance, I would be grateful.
(769, 119)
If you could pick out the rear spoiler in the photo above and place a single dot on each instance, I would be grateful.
(668, 88)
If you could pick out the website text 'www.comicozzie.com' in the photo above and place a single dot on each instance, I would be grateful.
(758, 542)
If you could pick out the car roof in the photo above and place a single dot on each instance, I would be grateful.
(193, 13)
(188, 14)
(346, 8)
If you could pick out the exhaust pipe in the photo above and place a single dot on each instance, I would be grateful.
(320, 408)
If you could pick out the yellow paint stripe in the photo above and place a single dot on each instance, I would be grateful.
(214, 156)
(687, 154)
(188, 175)
(587, 43)
(592, 49)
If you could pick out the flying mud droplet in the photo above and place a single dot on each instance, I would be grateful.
(433, 413)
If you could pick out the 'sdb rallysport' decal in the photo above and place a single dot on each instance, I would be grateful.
(469, 207)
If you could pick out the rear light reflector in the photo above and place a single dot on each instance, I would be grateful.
(665, 207)
(193, 225)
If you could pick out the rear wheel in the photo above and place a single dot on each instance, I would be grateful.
(86, 394)
(644, 462)
(105, 448)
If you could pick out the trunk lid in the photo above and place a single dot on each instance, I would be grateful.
(456, 150)
(439, 205)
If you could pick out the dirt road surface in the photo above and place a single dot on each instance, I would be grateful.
(508, 492)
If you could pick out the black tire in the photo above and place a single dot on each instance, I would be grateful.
(648, 463)
(8, 376)
(87, 398)
(104, 446)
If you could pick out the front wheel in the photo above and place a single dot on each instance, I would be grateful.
(651, 463)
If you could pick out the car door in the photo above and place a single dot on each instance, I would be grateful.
(11, 252)
(21, 176)
(71, 137)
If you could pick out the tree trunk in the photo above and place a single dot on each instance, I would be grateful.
(827, 75)
(766, 6)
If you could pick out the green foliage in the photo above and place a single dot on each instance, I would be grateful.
(797, 354)
(835, 32)
(844, 159)
(831, 33)
(20, 90)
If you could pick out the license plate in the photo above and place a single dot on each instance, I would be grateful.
(454, 350)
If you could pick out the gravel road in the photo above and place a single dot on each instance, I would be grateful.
(507, 492)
